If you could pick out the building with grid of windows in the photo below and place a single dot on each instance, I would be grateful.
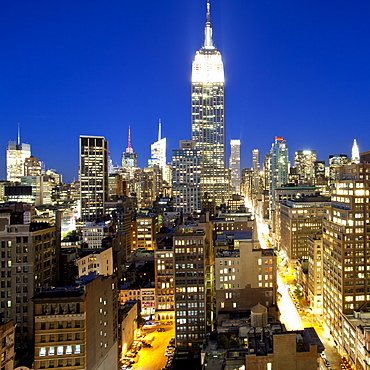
(208, 118)
(300, 218)
(16, 155)
(304, 162)
(234, 165)
(315, 273)
(245, 276)
(190, 258)
(29, 259)
(186, 178)
(346, 246)
(164, 276)
(7, 345)
(93, 173)
(77, 328)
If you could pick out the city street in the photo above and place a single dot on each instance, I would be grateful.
(153, 358)
(289, 314)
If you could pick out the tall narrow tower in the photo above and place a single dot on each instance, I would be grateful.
(16, 155)
(208, 118)
(93, 177)
(129, 158)
(234, 164)
(355, 152)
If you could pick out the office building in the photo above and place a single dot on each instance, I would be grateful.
(32, 167)
(164, 276)
(158, 151)
(7, 346)
(245, 276)
(256, 168)
(29, 260)
(335, 161)
(186, 178)
(99, 262)
(190, 260)
(93, 177)
(77, 327)
(208, 118)
(304, 162)
(16, 155)
(129, 158)
(145, 229)
(346, 247)
(315, 273)
(355, 152)
(300, 218)
(279, 167)
(234, 165)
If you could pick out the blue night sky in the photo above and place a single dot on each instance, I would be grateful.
(93, 67)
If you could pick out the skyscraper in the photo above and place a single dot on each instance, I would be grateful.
(158, 151)
(355, 152)
(304, 162)
(208, 119)
(186, 178)
(129, 157)
(93, 176)
(279, 167)
(256, 167)
(16, 154)
(234, 164)
(346, 248)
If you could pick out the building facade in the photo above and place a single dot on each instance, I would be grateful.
(346, 247)
(304, 162)
(208, 117)
(186, 172)
(16, 155)
(234, 165)
(278, 167)
(93, 172)
(77, 328)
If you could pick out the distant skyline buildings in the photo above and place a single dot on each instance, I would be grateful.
(234, 164)
(279, 167)
(129, 157)
(107, 104)
(158, 150)
(16, 155)
(304, 162)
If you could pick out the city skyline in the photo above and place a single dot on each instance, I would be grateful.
(82, 69)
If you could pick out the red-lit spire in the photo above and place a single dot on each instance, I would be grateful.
(129, 148)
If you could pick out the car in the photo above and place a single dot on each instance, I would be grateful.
(160, 329)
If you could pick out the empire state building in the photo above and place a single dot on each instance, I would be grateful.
(208, 118)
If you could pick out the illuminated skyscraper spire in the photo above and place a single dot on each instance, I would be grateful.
(159, 130)
(19, 135)
(208, 120)
(208, 42)
(129, 148)
(355, 152)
